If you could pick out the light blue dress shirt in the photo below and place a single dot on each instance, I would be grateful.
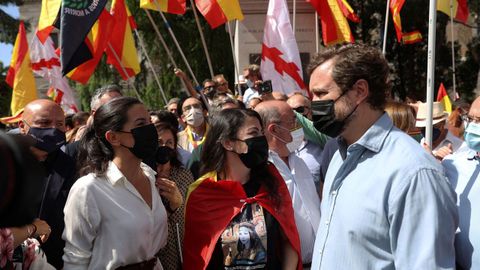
(463, 171)
(386, 205)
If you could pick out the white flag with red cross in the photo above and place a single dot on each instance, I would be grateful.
(280, 57)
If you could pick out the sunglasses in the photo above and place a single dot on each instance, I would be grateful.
(301, 109)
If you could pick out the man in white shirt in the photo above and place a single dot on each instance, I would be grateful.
(280, 127)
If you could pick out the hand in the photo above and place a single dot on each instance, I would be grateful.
(43, 229)
(444, 151)
(169, 190)
(179, 73)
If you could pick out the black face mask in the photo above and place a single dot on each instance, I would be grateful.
(164, 154)
(48, 139)
(323, 117)
(146, 141)
(257, 152)
(435, 133)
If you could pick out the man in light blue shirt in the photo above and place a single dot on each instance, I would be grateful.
(386, 203)
(463, 171)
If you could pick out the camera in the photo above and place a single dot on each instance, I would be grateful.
(264, 87)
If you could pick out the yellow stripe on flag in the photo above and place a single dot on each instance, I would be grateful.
(341, 23)
(444, 6)
(49, 13)
(24, 89)
(129, 52)
(231, 9)
(163, 4)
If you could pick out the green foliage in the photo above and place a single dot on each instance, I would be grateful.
(409, 62)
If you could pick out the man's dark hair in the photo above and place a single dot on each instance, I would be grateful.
(353, 62)
(210, 81)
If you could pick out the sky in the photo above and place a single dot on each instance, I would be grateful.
(6, 49)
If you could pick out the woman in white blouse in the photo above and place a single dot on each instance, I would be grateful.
(114, 217)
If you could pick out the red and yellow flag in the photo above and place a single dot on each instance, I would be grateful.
(48, 16)
(169, 6)
(443, 97)
(405, 38)
(20, 74)
(12, 119)
(460, 9)
(333, 15)
(121, 51)
(218, 12)
(205, 221)
(97, 41)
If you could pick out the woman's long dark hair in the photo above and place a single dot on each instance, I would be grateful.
(224, 126)
(95, 151)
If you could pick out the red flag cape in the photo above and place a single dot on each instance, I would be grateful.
(211, 206)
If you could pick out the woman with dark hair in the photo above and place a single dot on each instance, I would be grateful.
(114, 216)
(172, 182)
(238, 185)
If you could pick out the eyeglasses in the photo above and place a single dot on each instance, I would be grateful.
(468, 119)
(301, 109)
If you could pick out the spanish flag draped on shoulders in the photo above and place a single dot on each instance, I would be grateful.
(211, 207)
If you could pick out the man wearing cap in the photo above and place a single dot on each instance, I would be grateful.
(463, 171)
(44, 120)
(443, 142)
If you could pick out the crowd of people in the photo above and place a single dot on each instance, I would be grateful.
(245, 179)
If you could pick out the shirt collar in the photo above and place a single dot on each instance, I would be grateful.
(372, 140)
(114, 175)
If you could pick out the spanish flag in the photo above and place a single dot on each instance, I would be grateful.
(169, 6)
(443, 97)
(211, 205)
(49, 15)
(411, 37)
(333, 15)
(460, 9)
(405, 38)
(218, 12)
(121, 45)
(97, 41)
(20, 74)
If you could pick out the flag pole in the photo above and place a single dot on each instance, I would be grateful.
(149, 61)
(294, 16)
(236, 71)
(453, 52)
(124, 71)
(205, 48)
(317, 35)
(170, 31)
(432, 23)
(385, 30)
(164, 44)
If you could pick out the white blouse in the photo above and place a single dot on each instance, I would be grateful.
(108, 224)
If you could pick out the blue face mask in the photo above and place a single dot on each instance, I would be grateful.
(472, 136)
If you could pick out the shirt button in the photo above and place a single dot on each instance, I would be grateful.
(334, 192)
(327, 222)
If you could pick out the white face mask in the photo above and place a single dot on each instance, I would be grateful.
(297, 140)
(195, 117)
